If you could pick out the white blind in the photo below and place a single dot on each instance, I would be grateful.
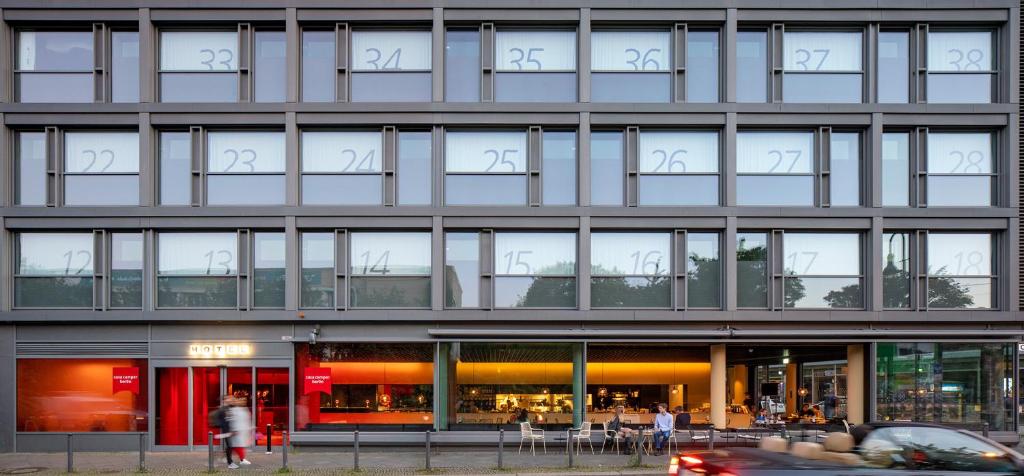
(630, 50)
(960, 254)
(391, 50)
(810, 254)
(960, 51)
(959, 153)
(485, 152)
(55, 254)
(243, 152)
(126, 251)
(384, 254)
(678, 152)
(774, 152)
(101, 152)
(822, 51)
(894, 147)
(318, 250)
(198, 253)
(341, 152)
(535, 253)
(32, 49)
(199, 51)
(269, 250)
(536, 50)
(642, 254)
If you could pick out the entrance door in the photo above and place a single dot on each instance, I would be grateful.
(206, 396)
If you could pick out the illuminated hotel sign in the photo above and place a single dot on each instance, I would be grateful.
(219, 350)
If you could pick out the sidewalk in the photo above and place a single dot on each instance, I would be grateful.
(395, 461)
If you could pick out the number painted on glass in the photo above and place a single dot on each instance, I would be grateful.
(972, 260)
(107, 153)
(649, 259)
(72, 254)
(518, 255)
(968, 160)
(963, 62)
(395, 57)
(527, 55)
(640, 62)
(364, 165)
(792, 257)
(809, 54)
(670, 159)
(238, 156)
(213, 57)
(379, 266)
(225, 263)
(779, 155)
(502, 158)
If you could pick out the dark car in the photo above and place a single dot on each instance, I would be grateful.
(885, 448)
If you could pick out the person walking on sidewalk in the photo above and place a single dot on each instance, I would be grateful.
(219, 419)
(241, 429)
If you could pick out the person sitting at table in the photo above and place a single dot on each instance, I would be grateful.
(806, 412)
(616, 425)
(816, 413)
(682, 419)
(762, 417)
(523, 416)
(662, 428)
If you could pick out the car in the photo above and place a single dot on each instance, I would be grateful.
(880, 448)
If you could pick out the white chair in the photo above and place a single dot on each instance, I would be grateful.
(609, 434)
(583, 434)
(532, 435)
(699, 435)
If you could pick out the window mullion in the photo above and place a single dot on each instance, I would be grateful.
(918, 64)
(776, 66)
(487, 266)
(341, 42)
(822, 165)
(535, 147)
(198, 165)
(244, 269)
(681, 284)
(679, 33)
(341, 281)
(54, 167)
(390, 154)
(245, 53)
(919, 163)
(632, 151)
(919, 254)
(100, 271)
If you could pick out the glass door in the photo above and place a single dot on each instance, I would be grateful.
(206, 397)
(271, 403)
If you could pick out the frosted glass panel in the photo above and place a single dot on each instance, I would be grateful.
(637, 254)
(199, 51)
(822, 51)
(960, 51)
(55, 254)
(101, 152)
(817, 254)
(774, 152)
(391, 50)
(960, 254)
(630, 50)
(536, 51)
(55, 50)
(351, 152)
(678, 152)
(243, 152)
(389, 254)
(197, 253)
(485, 152)
(535, 253)
(959, 153)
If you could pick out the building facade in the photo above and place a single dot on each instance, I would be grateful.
(408, 215)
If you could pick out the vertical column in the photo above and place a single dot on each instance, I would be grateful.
(579, 383)
(7, 167)
(149, 270)
(729, 164)
(583, 265)
(147, 162)
(739, 384)
(7, 394)
(291, 154)
(718, 383)
(729, 250)
(873, 266)
(583, 161)
(441, 383)
(729, 47)
(292, 264)
(147, 55)
(583, 40)
(437, 264)
(6, 271)
(293, 47)
(1011, 271)
(437, 56)
(6, 88)
(856, 391)
(792, 384)
(873, 168)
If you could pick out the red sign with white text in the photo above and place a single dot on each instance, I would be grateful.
(126, 378)
(316, 379)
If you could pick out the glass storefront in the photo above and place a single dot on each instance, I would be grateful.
(949, 383)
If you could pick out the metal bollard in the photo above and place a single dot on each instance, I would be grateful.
(427, 441)
(284, 450)
(984, 429)
(270, 437)
(142, 452)
(209, 458)
(71, 455)
(355, 453)
(568, 445)
(501, 446)
(711, 438)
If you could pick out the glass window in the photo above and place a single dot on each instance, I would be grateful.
(462, 269)
(961, 66)
(822, 67)
(485, 168)
(318, 277)
(960, 271)
(342, 168)
(197, 270)
(844, 169)
(268, 270)
(558, 175)
(822, 270)
(640, 376)
(751, 270)
(389, 269)
(535, 270)
(896, 274)
(462, 66)
(893, 67)
(55, 66)
(369, 385)
(318, 66)
(703, 271)
(82, 395)
(607, 168)
(31, 184)
(271, 66)
(702, 66)
(678, 168)
(775, 168)
(126, 256)
(960, 169)
(391, 66)
(175, 168)
(631, 270)
(895, 169)
(630, 66)
(54, 270)
(415, 170)
(101, 168)
(124, 66)
(245, 168)
(199, 66)
(535, 66)
(752, 66)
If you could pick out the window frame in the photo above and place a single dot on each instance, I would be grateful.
(251, 271)
(98, 262)
(670, 71)
(351, 278)
(101, 36)
(864, 72)
(861, 276)
(245, 60)
(924, 174)
(527, 173)
(925, 276)
(388, 158)
(61, 162)
(492, 56)
(924, 32)
(493, 266)
(350, 55)
(669, 275)
(634, 174)
(108, 267)
(240, 275)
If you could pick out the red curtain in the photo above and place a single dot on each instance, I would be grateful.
(206, 399)
(172, 406)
